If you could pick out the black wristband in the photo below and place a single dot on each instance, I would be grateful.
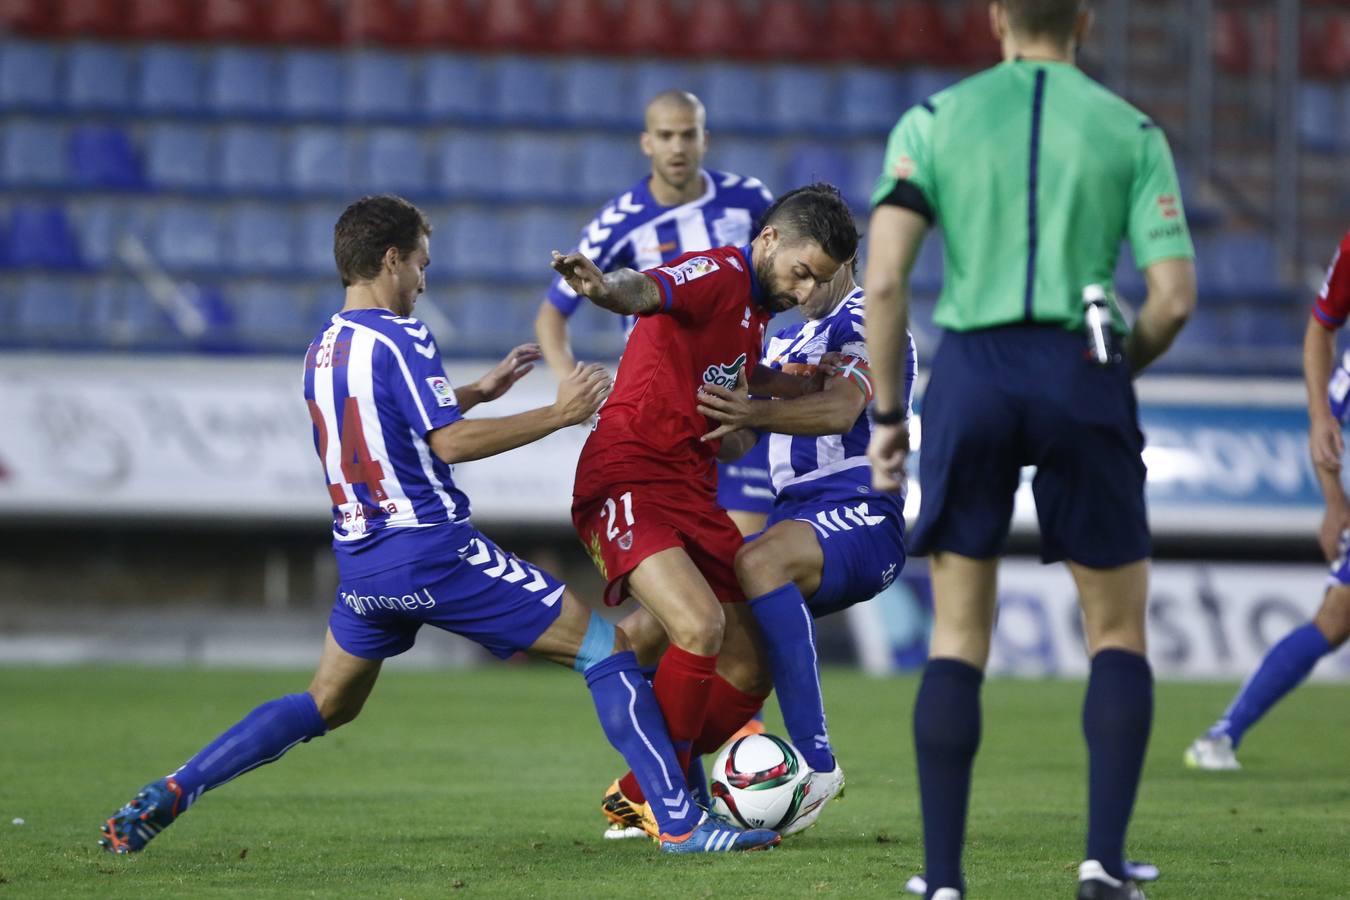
(893, 417)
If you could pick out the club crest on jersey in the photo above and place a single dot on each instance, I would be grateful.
(724, 375)
(626, 540)
(441, 390)
(691, 269)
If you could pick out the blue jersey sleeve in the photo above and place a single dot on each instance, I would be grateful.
(602, 241)
(418, 383)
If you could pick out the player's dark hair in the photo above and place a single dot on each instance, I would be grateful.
(817, 213)
(368, 228)
(1043, 18)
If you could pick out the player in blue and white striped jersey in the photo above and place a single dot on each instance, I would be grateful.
(388, 425)
(832, 540)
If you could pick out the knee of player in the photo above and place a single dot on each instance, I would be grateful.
(335, 709)
(700, 632)
(761, 567)
(1333, 619)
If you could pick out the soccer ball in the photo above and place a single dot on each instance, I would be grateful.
(759, 781)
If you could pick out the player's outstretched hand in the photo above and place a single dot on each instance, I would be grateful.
(829, 365)
(887, 452)
(1324, 437)
(581, 274)
(732, 408)
(515, 366)
(581, 393)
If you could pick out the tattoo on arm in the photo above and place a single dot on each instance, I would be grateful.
(630, 292)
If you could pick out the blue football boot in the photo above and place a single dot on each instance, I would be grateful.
(149, 812)
(714, 836)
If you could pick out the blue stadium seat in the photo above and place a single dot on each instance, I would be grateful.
(454, 88)
(381, 86)
(1128, 279)
(34, 154)
(123, 315)
(1318, 116)
(865, 162)
(260, 239)
(171, 79)
(187, 237)
(489, 320)
(537, 232)
(469, 244)
(538, 167)
(180, 157)
(320, 161)
(654, 77)
(523, 90)
(608, 165)
(923, 83)
(1343, 117)
(273, 316)
(99, 225)
(102, 156)
(871, 99)
(816, 162)
(251, 159)
(51, 312)
(801, 98)
(241, 81)
(29, 74)
(926, 276)
(395, 161)
(469, 164)
(598, 92)
(746, 157)
(311, 83)
(98, 77)
(1236, 265)
(735, 96)
(315, 240)
(40, 236)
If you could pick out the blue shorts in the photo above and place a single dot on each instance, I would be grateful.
(863, 540)
(744, 485)
(1025, 395)
(478, 591)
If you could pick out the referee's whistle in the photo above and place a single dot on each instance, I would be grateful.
(1097, 320)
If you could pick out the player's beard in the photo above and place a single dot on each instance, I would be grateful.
(774, 299)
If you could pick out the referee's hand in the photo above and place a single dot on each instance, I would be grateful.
(887, 452)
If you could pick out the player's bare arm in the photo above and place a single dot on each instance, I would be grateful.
(1324, 432)
(830, 411)
(579, 396)
(895, 235)
(550, 328)
(1170, 302)
(624, 291)
(735, 444)
(500, 378)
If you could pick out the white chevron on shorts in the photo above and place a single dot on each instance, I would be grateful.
(499, 568)
(481, 554)
(517, 572)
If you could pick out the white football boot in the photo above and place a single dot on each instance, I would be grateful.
(819, 788)
(1211, 753)
(1095, 884)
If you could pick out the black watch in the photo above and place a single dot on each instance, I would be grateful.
(891, 417)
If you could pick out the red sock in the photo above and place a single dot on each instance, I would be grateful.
(682, 686)
(729, 708)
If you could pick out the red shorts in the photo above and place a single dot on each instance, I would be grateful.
(631, 522)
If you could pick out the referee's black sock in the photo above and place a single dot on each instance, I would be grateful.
(1117, 717)
(946, 736)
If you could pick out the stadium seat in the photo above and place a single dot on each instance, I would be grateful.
(380, 86)
(301, 22)
(608, 165)
(311, 83)
(315, 244)
(251, 159)
(51, 312)
(320, 161)
(179, 157)
(469, 164)
(102, 156)
(865, 162)
(1236, 265)
(241, 81)
(597, 92)
(29, 75)
(651, 27)
(652, 78)
(872, 99)
(512, 25)
(445, 23)
(123, 315)
(1129, 281)
(229, 20)
(923, 83)
(170, 79)
(538, 232)
(395, 161)
(186, 237)
(926, 276)
(855, 32)
(488, 319)
(920, 34)
(35, 17)
(376, 22)
(801, 98)
(172, 19)
(102, 18)
(470, 243)
(260, 239)
(454, 88)
(40, 236)
(719, 28)
(1334, 50)
(747, 158)
(1344, 118)
(816, 162)
(34, 154)
(580, 26)
(1318, 116)
(975, 44)
(523, 90)
(98, 77)
(789, 30)
(1231, 41)
(273, 317)
(735, 97)
(538, 167)
(100, 224)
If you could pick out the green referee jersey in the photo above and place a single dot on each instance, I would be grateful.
(1035, 174)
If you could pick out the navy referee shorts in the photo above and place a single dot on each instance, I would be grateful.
(999, 399)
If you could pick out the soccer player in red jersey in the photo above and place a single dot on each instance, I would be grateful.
(645, 498)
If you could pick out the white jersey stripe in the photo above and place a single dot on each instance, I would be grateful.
(424, 457)
(361, 385)
(402, 364)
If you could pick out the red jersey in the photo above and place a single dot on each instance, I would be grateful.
(709, 328)
(1333, 302)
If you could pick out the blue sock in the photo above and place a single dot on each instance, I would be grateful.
(790, 636)
(633, 723)
(1117, 718)
(259, 738)
(698, 782)
(1284, 666)
(946, 736)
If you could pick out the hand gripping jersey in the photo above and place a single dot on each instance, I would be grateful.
(708, 329)
(375, 388)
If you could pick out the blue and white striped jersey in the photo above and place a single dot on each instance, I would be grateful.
(803, 466)
(634, 231)
(375, 388)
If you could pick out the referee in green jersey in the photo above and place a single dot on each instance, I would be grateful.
(1035, 174)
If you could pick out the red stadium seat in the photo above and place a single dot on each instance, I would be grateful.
(919, 35)
(376, 22)
(27, 16)
(973, 39)
(651, 27)
(1232, 42)
(302, 22)
(513, 25)
(719, 28)
(855, 32)
(231, 20)
(162, 19)
(582, 26)
(788, 29)
(1333, 49)
(106, 18)
(444, 23)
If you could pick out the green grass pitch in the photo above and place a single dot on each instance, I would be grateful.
(485, 783)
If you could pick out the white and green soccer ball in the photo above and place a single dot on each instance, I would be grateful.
(759, 781)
